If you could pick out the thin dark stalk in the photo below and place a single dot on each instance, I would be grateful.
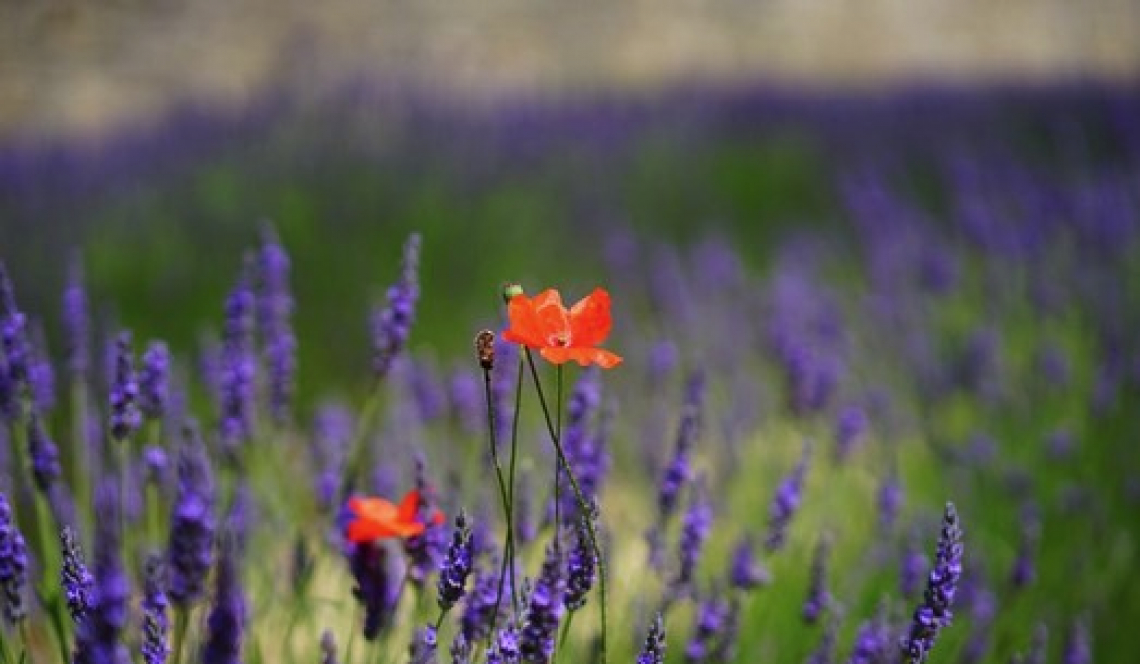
(583, 506)
(507, 566)
(557, 470)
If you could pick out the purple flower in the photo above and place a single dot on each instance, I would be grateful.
(479, 605)
(786, 502)
(1078, 648)
(712, 615)
(653, 652)
(581, 566)
(102, 632)
(125, 415)
(44, 455)
(580, 409)
(1024, 568)
(392, 324)
(818, 599)
(456, 565)
(465, 401)
(275, 307)
(155, 624)
(237, 371)
(77, 582)
(850, 428)
(375, 587)
(889, 501)
(507, 648)
(227, 619)
(679, 468)
(76, 319)
(695, 528)
(460, 650)
(544, 611)
(332, 433)
(934, 613)
(912, 567)
(190, 550)
(328, 648)
(825, 652)
(747, 572)
(872, 640)
(424, 645)
(425, 551)
(154, 378)
(41, 381)
(13, 563)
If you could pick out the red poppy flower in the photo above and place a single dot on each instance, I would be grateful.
(560, 334)
(377, 518)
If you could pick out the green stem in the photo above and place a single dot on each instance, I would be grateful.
(79, 457)
(508, 564)
(557, 472)
(583, 506)
(26, 642)
(181, 624)
(563, 635)
(358, 449)
(4, 652)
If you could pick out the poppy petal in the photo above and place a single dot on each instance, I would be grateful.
(583, 356)
(409, 506)
(525, 327)
(590, 320)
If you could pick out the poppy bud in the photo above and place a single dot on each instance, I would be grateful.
(511, 290)
(485, 349)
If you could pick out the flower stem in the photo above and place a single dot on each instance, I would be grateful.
(357, 449)
(508, 564)
(564, 634)
(181, 623)
(557, 470)
(583, 505)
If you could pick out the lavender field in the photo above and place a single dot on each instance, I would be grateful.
(870, 392)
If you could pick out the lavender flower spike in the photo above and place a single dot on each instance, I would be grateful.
(786, 502)
(695, 528)
(125, 415)
(392, 324)
(506, 649)
(747, 572)
(544, 611)
(456, 565)
(818, 598)
(77, 582)
(154, 378)
(237, 370)
(423, 648)
(13, 565)
(44, 455)
(934, 613)
(678, 470)
(275, 306)
(227, 618)
(192, 523)
(653, 652)
(581, 566)
(76, 320)
(155, 624)
(101, 633)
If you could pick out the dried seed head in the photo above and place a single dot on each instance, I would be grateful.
(485, 349)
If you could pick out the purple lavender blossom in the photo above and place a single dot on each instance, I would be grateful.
(679, 469)
(479, 605)
(44, 455)
(581, 566)
(544, 611)
(460, 650)
(934, 613)
(711, 617)
(456, 565)
(507, 648)
(504, 379)
(375, 587)
(275, 306)
(825, 651)
(695, 529)
(76, 320)
(1078, 647)
(392, 324)
(190, 550)
(227, 619)
(465, 401)
(653, 652)
(850, 429)
(425, 551)
(154, 380)
(41, 379)
(332, 434)
(1024, 565)
(818, 598)
(13, 563)
(889, 501)
(102, 632)
(328, 648)
(747, 572)
(423, 648)
(872, 640)
(155, 623)
(983, 608)
(125, 415)
(580, 409)
(912, 567)
(238, 370)
(17, 353)
(786, 502)
(77, 582)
